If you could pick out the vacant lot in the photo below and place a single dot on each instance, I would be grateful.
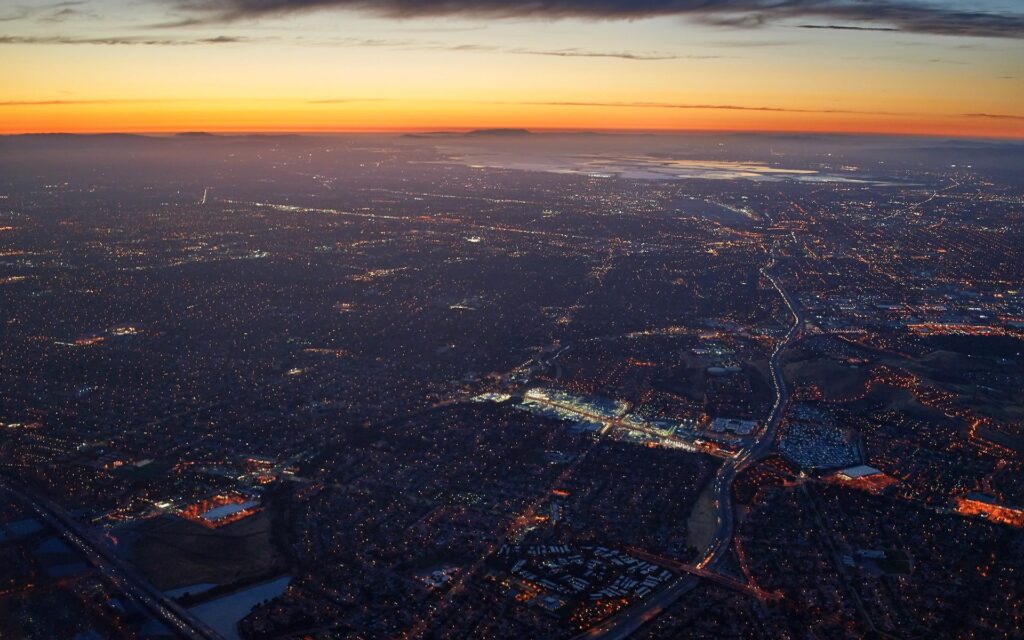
(173, 552)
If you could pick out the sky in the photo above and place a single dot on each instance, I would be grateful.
(937, 67)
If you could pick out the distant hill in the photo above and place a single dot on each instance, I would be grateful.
(474, 133)
(498, 132)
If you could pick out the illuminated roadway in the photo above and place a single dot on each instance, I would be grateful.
(628, 622)
(129, 583)
(762, 445)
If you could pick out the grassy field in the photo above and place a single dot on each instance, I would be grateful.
(173, 552)
(700, 527)
(838, 381)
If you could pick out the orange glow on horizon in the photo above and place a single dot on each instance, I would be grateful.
(231, 116)
(341, 71)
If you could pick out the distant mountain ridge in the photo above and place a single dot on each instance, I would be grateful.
(499, 132)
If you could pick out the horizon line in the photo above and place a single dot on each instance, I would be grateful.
(441, 130)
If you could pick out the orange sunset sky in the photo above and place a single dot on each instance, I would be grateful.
(934, 68)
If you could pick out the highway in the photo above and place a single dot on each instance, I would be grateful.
(618, 627)
(763, 443)
(625, 623)
(747, 588)
(117, 573)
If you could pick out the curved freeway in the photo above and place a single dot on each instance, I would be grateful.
(762, 445)
(623, 625)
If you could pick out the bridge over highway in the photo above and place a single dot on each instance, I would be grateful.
(719, 579)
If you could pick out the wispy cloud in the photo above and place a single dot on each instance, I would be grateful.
(624, 105)
(50, 103)
(60, 102)
(356, 43)
(51, 11)
(995, 116)
(702, 106)
(581, 103)
(623, 55)
(344, 100)
(846, 27)
(569, 52)
(125, 40)
(60, 15)
(960, 18)
(752, 44)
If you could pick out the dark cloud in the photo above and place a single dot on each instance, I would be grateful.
(995, 116)
(126, 40)
(899, 15)
(846, 27)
